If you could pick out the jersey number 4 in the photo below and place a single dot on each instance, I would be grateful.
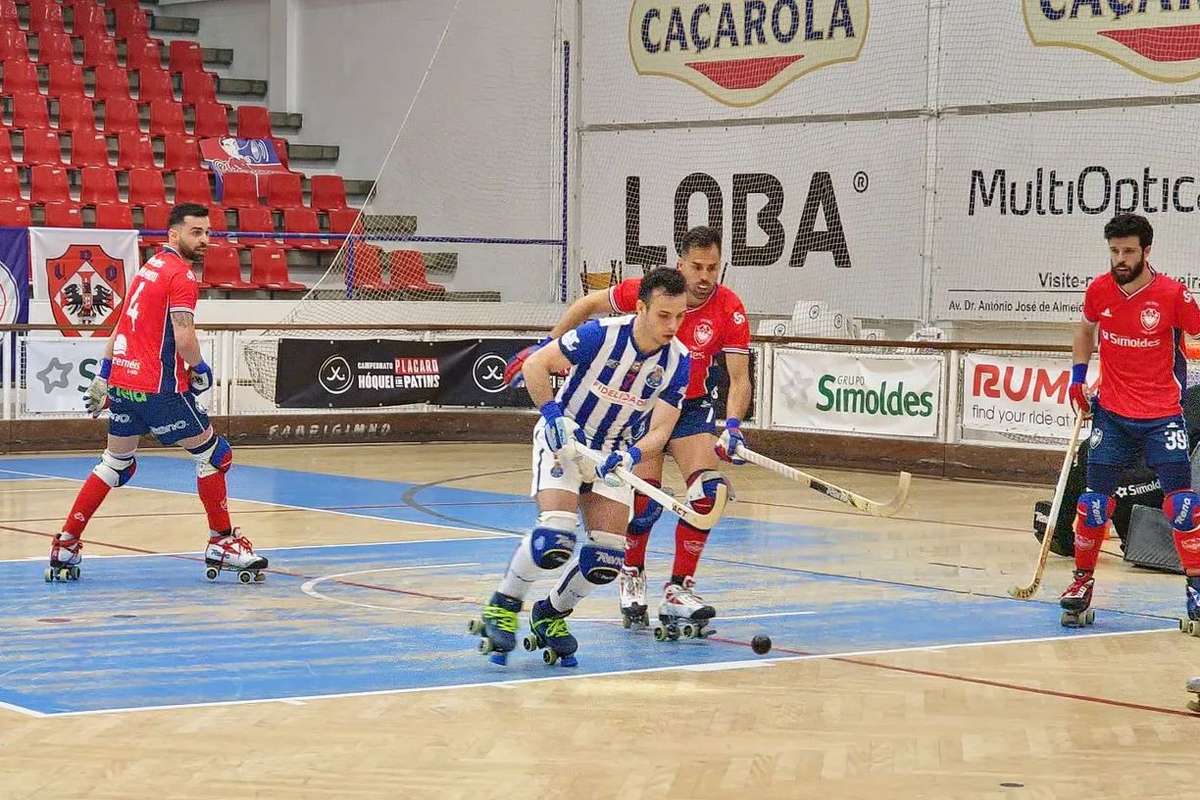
(133, 307)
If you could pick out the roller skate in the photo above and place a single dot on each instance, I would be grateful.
(1076, 601)
(496, 628)
(1191, 625)
(233, 551)
(632, 585)
(683, 614)
(65, 557)
(1193, 686)
(548, 628)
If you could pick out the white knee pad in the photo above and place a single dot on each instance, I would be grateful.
(115, 470)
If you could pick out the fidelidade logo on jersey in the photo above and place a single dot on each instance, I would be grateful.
(368, 373)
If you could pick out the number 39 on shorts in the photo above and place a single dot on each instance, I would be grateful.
(1176, 440)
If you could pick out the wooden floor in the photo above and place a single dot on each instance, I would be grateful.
(1045, 714)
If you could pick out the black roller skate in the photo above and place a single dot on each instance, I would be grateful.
(683, 614)
(65, 557)
(632, 586)
(548, 628)
(496, 627)
(1076, 601)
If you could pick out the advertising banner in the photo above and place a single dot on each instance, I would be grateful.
(1021, 395)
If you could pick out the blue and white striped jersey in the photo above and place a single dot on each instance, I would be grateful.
(613, 387)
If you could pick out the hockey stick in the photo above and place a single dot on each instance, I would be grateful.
(873, 507)
(1026, 592)
(704, 522)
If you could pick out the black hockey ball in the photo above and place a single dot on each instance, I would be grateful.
(761, 644)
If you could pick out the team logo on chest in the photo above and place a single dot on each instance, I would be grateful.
(703, 332)
(87, 286)
(1150, 318)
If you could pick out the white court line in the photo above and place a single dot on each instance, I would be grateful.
(308, 588)
(562, 675)
(270, 549)
(29, 712)
(286, 505)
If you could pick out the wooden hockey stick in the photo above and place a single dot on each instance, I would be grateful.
(873, 507)
(704, 522)
(1026, 592)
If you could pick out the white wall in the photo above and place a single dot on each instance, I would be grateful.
(240, 24)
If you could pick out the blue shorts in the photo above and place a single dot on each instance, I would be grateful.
(169, 416)
(696, 416)
(1118, 441)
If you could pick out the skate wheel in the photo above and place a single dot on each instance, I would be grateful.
(672, 632)
(64, 574)
(687, 631)
(549, 657)
(530, 643)
(474, 627)
(1089, 617)
(49, 576)
(485, 646)
(211, 573)
(245, 577)
(626, 623)
(569, 661)
(259, 577)
(660, 633)
(75, 573)
(1190, 626)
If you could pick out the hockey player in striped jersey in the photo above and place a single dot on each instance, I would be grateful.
(625, 384)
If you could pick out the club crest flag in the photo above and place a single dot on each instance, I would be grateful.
(84, 274)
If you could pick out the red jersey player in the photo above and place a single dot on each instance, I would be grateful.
(149, 379)
(1140, 315)
(715, 322)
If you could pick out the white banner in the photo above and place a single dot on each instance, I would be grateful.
(692, 60)
(84, 273)
(850, 393)
(1023, 199)
(58, 371)
(1018, 395)
(809, 212)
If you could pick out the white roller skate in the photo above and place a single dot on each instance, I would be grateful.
(235, 552)
(65, 557)
(1076, 601)
(1193, 686)
(683, 614)
(632, 586)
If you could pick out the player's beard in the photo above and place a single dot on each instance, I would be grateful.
(192, 253)
(1133, 274)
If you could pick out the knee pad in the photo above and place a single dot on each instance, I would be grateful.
(1183, 510)
(115, 470)
(601, 557)
(1094, 509)
(645, 511)
(553, 540)
(704, 490)
(213, 456)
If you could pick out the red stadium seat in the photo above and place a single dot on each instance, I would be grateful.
(46, 18)
(154, 83)
(143, 54)
(54, 47)
(99, 186)
(240, 190)
(130, 21)
(14, 46)
(212, 120)
(182, 151)
(20, 77)
(10, 182)
(253, 122)
(269, 270)
(99, 50)
(116, 216)
(284, 191)
(255, 220)
(166, 116)
(42, 146)
(135, 150)
(328, 192)
(408, 274)
(185, 56)
(66, 78)
(30, 111)
(75, 113)
(223, 269)
(121, 116)
(146, 188)
(199, 87)
(345, 220)
(62, 214)
(15, 214)
(191, 186)
(8, 11)
(364, 266)
(89, 149)
(281, 149)
(89, 18)
(304, 220)
(112, 82)
(216, 220)
(48, 184)
(155, 218)
(6, 155)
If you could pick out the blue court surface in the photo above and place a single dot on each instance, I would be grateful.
(148, 631)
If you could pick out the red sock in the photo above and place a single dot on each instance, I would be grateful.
(1088, 539)
(90, 496)
(211, 489)
(689, 542)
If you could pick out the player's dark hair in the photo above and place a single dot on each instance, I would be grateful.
(670, 281)
(699, 236)
(1130, 225)
(186, 210)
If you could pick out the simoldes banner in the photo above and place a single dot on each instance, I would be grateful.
(851, 393)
